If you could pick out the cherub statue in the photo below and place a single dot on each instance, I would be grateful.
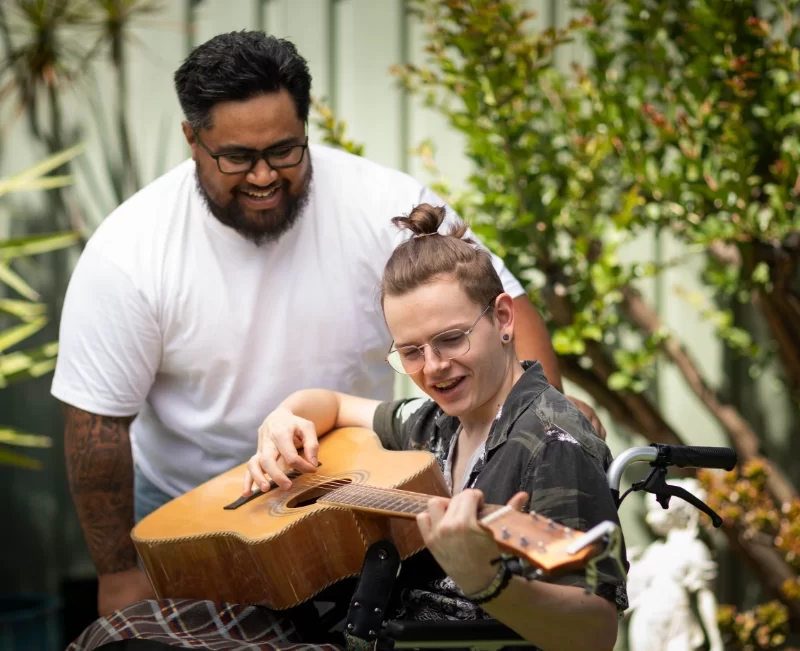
(672, 605)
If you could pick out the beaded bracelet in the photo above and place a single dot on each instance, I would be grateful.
(499, 583)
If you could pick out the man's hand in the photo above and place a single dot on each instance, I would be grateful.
(122, 589)
(279, 437)
(462, 549)
(591, 415)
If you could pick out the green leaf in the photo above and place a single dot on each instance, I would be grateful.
(11, 458)
(12, 336)
(31, 179)
(23, 310)
(22, 439)
(10, 278)
(562, 343)
(761, 273)
(593, 332)
(27, 364)
(35, 244)
(47, 183)
(618, 381)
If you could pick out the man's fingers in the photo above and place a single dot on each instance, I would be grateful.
(591, 416)
(310, 443)
(518, 501)
(268, 464)
(436, 509)
(247, 486)
(601, 431)
(461, 512)
(464, 507)
(598, 426)
(253, 475)
(425, 526)
(287, 447)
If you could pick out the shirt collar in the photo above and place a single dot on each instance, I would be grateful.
(522, 394)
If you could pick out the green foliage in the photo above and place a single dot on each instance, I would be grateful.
(763, 627)
(686, 122)
(27, 315)
(703, 99)
(333, 130)
(51, 49)
(548, 192)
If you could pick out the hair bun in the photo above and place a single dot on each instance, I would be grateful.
(424, 219)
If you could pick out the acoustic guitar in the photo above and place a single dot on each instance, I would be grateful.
(280, 548)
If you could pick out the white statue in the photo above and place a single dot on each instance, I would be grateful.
(669, 577)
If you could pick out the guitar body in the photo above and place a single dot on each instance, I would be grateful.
(281, 548)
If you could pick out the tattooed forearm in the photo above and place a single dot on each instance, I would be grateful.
(100, 475)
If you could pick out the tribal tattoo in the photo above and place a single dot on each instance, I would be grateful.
(100, 474)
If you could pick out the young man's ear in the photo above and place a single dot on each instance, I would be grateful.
(504, 314)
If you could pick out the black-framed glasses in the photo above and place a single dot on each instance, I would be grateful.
(447, 345)
(242, 162)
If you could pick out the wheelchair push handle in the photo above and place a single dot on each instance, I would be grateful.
(663, 456)
(660, 457)
(697, 456)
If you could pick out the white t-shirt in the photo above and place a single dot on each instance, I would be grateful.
(177, 318)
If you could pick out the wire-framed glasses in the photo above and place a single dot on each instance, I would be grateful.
(447, 345)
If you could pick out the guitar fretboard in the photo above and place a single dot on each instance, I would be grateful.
(390, 501)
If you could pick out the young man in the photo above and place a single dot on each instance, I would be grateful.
(246, 272)
(500, 432)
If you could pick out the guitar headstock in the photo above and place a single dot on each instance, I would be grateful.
(541, 542)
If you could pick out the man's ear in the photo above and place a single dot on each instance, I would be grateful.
(504, 314)
(188, 133)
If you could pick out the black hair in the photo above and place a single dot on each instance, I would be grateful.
(237, 66)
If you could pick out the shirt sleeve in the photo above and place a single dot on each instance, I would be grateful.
(109, 340)
(568, 486)
(511, 285)
(395, 422)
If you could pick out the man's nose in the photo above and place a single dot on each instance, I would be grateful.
(262, 174)
(433, 361)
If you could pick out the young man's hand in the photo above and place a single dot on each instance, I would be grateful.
(463, 550)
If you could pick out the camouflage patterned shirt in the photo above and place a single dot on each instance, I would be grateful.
(539, 443)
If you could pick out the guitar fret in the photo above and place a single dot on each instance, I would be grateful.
(390, 499)
(385, 499)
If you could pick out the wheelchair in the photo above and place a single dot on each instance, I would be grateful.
(362, 619)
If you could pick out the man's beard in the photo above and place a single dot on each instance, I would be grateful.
(270, 224)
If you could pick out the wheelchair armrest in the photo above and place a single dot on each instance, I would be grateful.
(446, 630)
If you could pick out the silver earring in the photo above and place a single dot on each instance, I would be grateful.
(505, 337)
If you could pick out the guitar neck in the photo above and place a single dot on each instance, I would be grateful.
(387, 501)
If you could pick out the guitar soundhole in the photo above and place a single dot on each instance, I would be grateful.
(309, 497)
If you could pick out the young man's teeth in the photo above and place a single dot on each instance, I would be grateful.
(446, 385)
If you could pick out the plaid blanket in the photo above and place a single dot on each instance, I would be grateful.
(192, 624)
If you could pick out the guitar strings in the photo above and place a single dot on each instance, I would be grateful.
(317, 481)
